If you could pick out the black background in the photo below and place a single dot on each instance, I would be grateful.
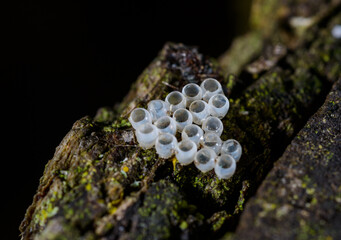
(65, 60)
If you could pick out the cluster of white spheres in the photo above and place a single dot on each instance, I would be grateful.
(183, 113)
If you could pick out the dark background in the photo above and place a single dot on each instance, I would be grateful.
(65, 60)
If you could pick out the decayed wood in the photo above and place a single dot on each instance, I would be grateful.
(100, 184)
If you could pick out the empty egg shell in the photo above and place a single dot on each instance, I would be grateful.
(166, 124)
(225, 166)
(218, 105)
(192, 92)
(176, 100)
(193, 132)
(165, 145)
(185, 151)
(233, 148)
(139, 116)
(210, 87)
(204, 159)
(214, 125)
(212, 141)
(182, 118)
(157, 109)
(146, 135)
(199, 110)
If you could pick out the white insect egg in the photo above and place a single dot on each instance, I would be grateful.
(219, 105)
(225, 166)
(233, 148)
(210, 87)
(336, 31)
(157, 109)
(166, 124)
(192, 92)
(165, 145)
(139, 116)
(204, 159)
(199, 110)
(182, 118)
(194, 133)
(206, 106)
(146, 135)
(185, 151)
(214, 125)
(176, 100)
(213, 141)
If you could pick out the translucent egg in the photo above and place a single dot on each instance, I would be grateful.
(336, 31)
(192, 92)
(165, 145)
(233, 148)
(204, 159)
(219, 105)
(194, 133)
(182, 118)
(157, 109)
(139, 116)
(214, 125)
(210, 87)
(186, 151)
(212, 141)
(199, 110)
(176, 100)
(146, 135)
(166, 124)
(225, 166)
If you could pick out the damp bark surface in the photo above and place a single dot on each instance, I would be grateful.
(301, 196)
(101, 185)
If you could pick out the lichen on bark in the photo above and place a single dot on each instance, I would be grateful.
(301, 196)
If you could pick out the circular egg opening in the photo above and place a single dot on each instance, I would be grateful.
(211, 85)
(165, 139)
(185, 146)
(191, 90)
(157, 105)
(232, 146)
(213, 124)
(181, 115)
(163, 123)
(203, 156)
(175, 98)
(191, 131)
(225, 162)
(146, 128)
(138, 115)
(197, 106)
(211, 140)
(219, 101)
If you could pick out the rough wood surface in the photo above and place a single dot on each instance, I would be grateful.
(101, 185)
(301, 196)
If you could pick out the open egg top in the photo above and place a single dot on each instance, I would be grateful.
(188, 125)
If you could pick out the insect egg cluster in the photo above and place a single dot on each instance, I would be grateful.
(193, 117)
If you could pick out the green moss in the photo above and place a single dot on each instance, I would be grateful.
(309, 230)
(148, 155)
(241, 200)
(217, 220)
(164, 210)
(104, 114)
(121, 123)
(47, 208)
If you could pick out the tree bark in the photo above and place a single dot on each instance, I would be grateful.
(101, 185)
